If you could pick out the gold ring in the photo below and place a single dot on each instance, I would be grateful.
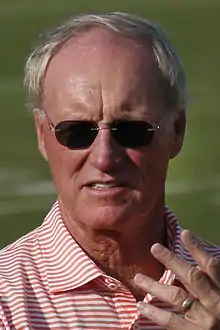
(187, 303)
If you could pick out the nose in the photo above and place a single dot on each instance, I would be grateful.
(106, 154)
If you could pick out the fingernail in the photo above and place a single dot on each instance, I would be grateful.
(193, 238)
(139, 278)
(157, 248)
(142, 307)
(195, 241)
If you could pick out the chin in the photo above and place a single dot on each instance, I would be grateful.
(107, 218)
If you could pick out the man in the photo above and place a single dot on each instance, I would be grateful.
(108, 95)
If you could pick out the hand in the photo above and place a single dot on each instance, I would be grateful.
(201, 282)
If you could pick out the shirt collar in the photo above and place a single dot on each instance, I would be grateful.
(69, 267)
(174, 241)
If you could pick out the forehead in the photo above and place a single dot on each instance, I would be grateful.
(105, 72)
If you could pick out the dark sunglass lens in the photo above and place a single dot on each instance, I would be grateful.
(76, 134)
(133, 134)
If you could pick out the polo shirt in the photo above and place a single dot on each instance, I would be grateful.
(47, 281)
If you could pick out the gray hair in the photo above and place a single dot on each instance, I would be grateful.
(131, 26)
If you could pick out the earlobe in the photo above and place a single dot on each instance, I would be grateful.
(179, 132)
(39, 126)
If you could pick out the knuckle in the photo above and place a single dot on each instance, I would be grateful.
(213, 262)
(172, 260)
(213, 266)
(196, 275)
(152, 286)
(167, 256)
(178, 297)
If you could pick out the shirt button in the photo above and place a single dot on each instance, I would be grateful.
(113, 286)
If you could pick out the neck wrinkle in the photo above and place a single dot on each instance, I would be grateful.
(122, 255)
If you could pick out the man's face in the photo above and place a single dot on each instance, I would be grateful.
(104, 77)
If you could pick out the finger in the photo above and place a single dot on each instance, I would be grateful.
(163, 318)
(171, 294)
(195, 281)
(197, 314)
(176, 296)
(208, 264)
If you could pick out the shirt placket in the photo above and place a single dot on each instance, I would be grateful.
(126, 313)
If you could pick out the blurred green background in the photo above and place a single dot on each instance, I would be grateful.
(193, 188)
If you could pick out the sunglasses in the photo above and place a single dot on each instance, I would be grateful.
(81, 134)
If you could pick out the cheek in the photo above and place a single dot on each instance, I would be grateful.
(152, 162)
(64, 163)
(55, 152)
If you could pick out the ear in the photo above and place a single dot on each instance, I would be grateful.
(179, 127)
(40, 131)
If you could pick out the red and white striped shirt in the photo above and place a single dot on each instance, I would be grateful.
(48, 282)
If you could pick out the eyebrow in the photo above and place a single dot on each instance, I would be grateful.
(127, 111)
(130, 111)
(78, 110)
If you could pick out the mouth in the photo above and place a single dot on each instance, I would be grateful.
(107, 191)
(103, 186)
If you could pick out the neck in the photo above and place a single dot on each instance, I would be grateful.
(122, 254)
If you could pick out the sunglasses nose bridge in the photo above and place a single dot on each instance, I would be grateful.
(108, 127)
(103, 126)
(107, 136)
(99, 128)
(105, 152)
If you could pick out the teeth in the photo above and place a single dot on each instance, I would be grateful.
(100, 186)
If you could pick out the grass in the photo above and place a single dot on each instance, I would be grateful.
(193, 189)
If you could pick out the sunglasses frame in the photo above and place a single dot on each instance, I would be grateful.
(53, 128)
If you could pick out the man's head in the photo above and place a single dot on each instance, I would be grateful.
(110, 70)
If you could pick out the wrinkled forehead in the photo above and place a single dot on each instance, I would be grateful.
(104, 68)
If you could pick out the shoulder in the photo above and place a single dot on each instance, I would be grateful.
(174, 230)
(21, 270)
(22, 245)
(19, 257)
